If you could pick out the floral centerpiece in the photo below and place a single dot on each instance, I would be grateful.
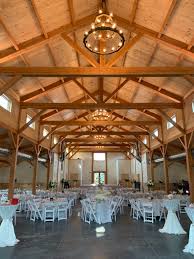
(52, 185)
(150, 185)
(102, 194)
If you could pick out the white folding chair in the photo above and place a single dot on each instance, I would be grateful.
(49, 213)
(62, 211)
(148, 213)
(113, 208)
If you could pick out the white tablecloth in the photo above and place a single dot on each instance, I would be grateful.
(189, 248)
(172, 224)
(7, 234)
(103, 212)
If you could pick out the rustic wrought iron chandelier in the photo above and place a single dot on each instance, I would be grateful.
(104, 38)
(101, 115)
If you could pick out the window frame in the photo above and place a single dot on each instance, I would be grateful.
(44, 135)
(192, 106)
(33, 124)
(98, 153)
(169, 125)
(9, 103)
(155, 135)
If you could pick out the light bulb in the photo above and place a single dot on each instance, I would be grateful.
(98, 20)
(96, 49)
(93, 26)
(103, 24)
(120, 44)
(114, 25)
(113, 48)
(88, 45)
(108, 20)
(111, 14)
(100, 11)
(86, 33)
(120, 31)
(100, 36)
(108, 35)
(104, 50)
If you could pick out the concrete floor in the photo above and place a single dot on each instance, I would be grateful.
(127, 238)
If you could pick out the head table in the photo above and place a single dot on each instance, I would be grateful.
(7, 234)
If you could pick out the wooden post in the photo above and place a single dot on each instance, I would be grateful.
(37, 150)
(190, 171)
(13, 160)
(48, 170)
(165, 167)
(151, 165)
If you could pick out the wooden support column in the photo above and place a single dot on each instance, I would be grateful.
(189, 160)
(37, 152)
(151, 165)
(165, 167)
(13, 162)
(48, 170)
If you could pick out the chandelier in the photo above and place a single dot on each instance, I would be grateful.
(100, 137)
(100, 115)
(104, 38)
(99, 147)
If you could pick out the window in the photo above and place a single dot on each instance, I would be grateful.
(55, 140)
(155, 133)
(5, 102)
(169, 124)
(192, 106)
(145, 141)
(28, 118)
(99, 156)
(44, 133)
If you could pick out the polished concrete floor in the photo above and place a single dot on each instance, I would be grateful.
(127, 238)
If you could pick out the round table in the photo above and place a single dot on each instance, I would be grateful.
(7, 234)
(103, 212)
(172, 224)
(189, 248)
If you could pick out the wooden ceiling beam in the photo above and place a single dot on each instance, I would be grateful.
(85, 90)
(99, 123)
(42, 91)
(117, 89)
(122, 52)
(92, 133)
(159, 90)
(86, 140)
(26, 125)
(164, 39)
(80, 50)
(94, 145)
(108, 106)
(29, 45)
(167, 17)
(97, 72)
(168, 118)
(9, 84)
